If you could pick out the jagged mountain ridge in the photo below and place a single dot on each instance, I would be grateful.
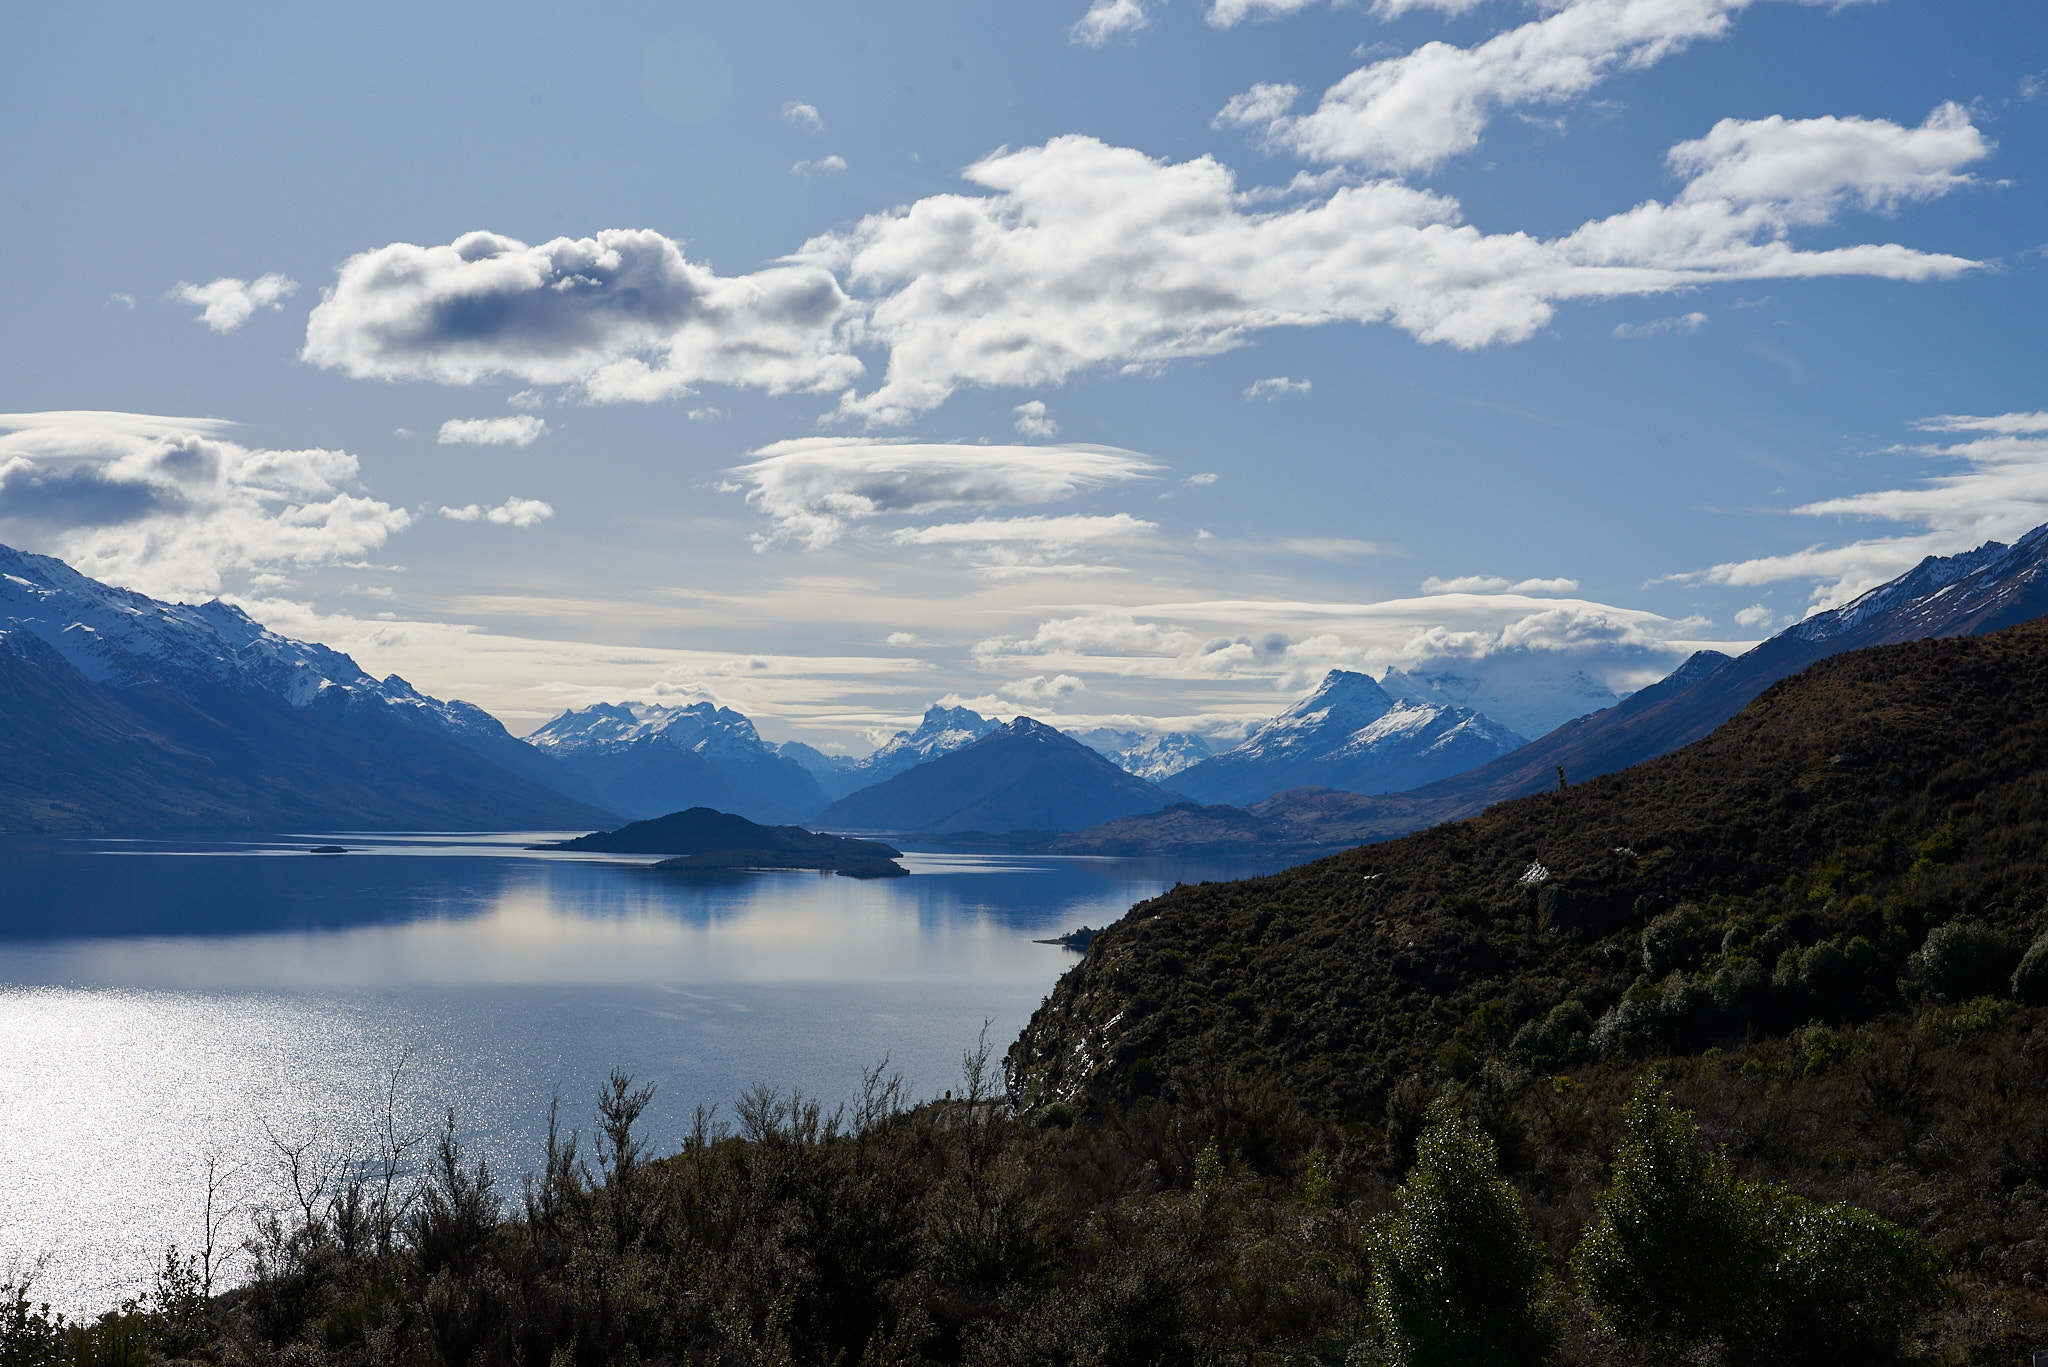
(1978, 591)
(1153, 755)
(1023, 776)
(1350, 733)
(648, 759)
(124, 712)
(941, 731)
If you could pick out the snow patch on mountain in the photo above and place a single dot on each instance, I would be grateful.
(701, 727)
(1148, 754)
(122, 638)
(941, 731)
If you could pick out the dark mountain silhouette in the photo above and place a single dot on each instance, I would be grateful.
(703, 839)
(1022, 777)
(1979, 591)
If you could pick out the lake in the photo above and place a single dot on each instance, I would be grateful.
(167, 1002)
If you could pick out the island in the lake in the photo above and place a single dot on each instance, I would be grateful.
(701, 840)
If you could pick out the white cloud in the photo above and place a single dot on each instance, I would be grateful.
(804, 116)
(228, 302)
(1202, 480)
(523, 430)
(903, 638)
(126, 301)
(513, 512)
(1682, 323)
(1755, 615)
(1107, 19)
(823, 166)
(1073, 530)
(1412, 112)
(1812, 168)
(526, 398)
(623, 315)
(1034, 421)
(1230, 13)
(1490, 583)
(1040, 689)
(1082, 255)
(813, 487)
(165, 506)
(1089, 255)
(2000, 494)
(1394, 9)
(1276, 387)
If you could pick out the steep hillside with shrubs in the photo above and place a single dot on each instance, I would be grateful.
(1865, 836)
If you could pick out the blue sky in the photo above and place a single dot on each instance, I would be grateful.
(830, 360)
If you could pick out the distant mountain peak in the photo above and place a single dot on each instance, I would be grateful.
(1350, 733)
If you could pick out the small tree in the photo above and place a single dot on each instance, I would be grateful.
(1456, 1271)
(1674, 1254)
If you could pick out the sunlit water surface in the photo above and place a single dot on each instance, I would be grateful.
(161, 1003)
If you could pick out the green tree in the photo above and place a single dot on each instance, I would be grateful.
(1456, 1271)
(1675, 1253)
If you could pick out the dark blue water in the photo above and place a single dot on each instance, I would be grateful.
(163, 1001)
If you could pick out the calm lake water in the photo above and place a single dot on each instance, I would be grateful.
(163, 1002)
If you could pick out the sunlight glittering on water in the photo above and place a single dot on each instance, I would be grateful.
(157, 1008)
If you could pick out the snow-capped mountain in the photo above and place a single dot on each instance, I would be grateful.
(1970, 594)
(706, 728)
(117, 637)
(1515, 690)
(649, 759)
(942, 731)
(1350, 734)
(1147, 754)
(125, 650)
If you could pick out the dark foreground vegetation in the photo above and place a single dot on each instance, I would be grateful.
(1740, 1057)
(1854, 1195)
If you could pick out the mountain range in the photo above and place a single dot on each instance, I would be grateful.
(1979, 591)
(1023, 776)
(1352, 734)
(646, 759)
(118, 711)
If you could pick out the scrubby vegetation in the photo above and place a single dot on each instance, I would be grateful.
(1740, 1057)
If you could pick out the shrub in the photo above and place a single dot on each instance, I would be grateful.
(1456, 1271)
(1674, 1253)
(1843, 1287)
(1674, 940)
(2030, 979)
(1557, 1040)
(1961, 960)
